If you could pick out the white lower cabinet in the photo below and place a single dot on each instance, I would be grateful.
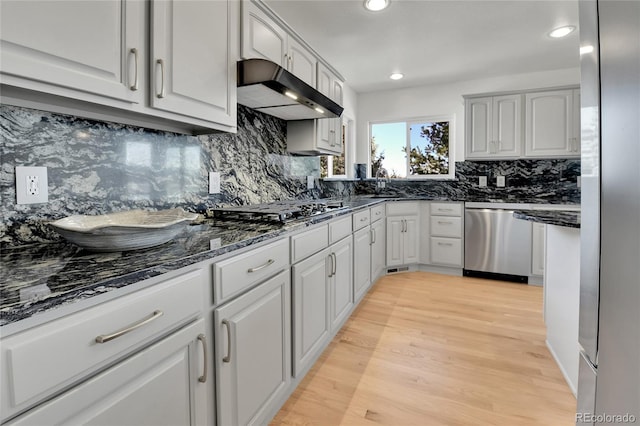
(378, 249)
(361, 262)
(164, 384)
(402, 240)
(341, 281)
(311, 309)
(442, 234)
(253, 352)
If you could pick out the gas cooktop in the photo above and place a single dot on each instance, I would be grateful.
(279, 211)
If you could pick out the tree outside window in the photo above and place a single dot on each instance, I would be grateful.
(411, 149)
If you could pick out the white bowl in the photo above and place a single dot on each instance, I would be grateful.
(130, 230)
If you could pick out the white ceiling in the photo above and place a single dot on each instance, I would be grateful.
(434, 42)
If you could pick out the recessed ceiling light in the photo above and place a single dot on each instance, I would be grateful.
(586, 49)
(376, 5)
(562, 31)
(396, 76)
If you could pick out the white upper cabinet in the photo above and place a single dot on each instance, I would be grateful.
(190, 60)
(301, 62)
(547, 125)
(551, 129)
(90, 47)
(263, 37)
(162, 64)
(494, 127)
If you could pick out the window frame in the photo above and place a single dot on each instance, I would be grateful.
(450, 118)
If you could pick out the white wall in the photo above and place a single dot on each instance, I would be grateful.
(443, 99)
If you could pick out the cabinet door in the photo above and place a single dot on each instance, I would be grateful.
(158, 386)
(507, 125)
(378, 249)
(537, 249)
(549, 124)
(193, 73)
(361, 261)
(411, 243)
(395, 227)
(261, 36)
(253, 359)
(341, 283)
(94, 47)
(326, 126)
(310, 310)
(478, 127)
(302, 63)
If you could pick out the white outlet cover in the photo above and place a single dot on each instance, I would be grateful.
(214, 182)
(482, 181)
(311, 183)
(500, 181)
(32, 185)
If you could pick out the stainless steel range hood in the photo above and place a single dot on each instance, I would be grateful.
(269, 88)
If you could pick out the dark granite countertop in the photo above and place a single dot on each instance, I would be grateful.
(570, 219)
(41, 277)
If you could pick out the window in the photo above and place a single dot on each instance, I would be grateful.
(334, 165)
(412, 149)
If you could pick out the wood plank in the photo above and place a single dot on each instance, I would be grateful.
(430, 349)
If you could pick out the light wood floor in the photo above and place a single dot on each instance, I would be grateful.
(430, 349)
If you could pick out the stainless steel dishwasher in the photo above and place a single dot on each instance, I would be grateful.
(496, 245)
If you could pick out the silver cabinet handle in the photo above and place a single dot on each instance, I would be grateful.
(443, 222)
(134, 52)
(228, 357)
(104, 338)
(378, 213)
(335, 264)
(445, 244)
(257, 268)
(205, 353)
(364, 219)
(162, 93)
(373, 237)
(445, 210)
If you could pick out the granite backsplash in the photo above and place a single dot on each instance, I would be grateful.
(552, 181)
(97, 167)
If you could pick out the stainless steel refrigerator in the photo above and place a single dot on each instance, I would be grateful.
(609, 374)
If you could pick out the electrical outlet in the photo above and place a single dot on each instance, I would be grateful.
(482, 181)
(32, 186)
(500, 181)
(214, 182)
(311, 183)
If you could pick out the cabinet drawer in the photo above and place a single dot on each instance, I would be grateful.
(339, 228)
(377, 212)
(400, 208)
(361, 219)
(45, 359)
(446, 251)
(306, 243)
(243, 271)
(445, 226)
(446, 209)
